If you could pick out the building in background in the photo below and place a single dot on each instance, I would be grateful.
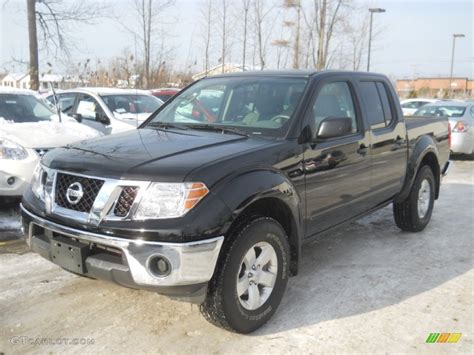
(22, 81)
(435, 87)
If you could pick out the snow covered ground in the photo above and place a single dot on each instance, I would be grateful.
(9, 220)
(368, 288)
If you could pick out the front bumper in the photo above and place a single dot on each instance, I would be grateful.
(127, 262)
(18, 171)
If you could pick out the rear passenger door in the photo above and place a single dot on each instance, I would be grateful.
(388, 151)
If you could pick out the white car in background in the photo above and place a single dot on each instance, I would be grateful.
(108, 110)
(409, 106)
(28, 129)
(461, 119)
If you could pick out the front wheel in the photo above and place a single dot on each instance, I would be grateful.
(414, 213)
(251, 276)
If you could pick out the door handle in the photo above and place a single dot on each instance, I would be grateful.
(362, 150)
(399, 140)
(398, 143)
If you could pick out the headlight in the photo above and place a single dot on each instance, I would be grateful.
(37, 182)
(42, 184)
(11, 150)
(169, 200)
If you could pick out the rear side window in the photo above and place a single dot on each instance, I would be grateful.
(377, 104)
(385, 103)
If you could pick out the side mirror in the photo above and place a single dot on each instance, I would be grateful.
(77, 117)
(102, 118)
(333, 127)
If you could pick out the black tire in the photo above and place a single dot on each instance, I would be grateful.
(222, 306)
(406, 213)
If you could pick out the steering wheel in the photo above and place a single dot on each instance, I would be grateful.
(281, 119)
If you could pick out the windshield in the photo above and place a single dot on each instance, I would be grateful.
(23, 108)
(131, 104)
(260, 106)
(441, 111)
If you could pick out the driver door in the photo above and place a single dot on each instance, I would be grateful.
(337, 170)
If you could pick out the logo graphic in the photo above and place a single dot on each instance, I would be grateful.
(443, 338)
(74, 193)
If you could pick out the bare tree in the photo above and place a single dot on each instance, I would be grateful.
(33, 45)
(296, 5)
(224, 23)
(261, 11)
(207, 26)
(327, 15)
(53, 18)
(149, 17)
(246, 8)
(357, 38)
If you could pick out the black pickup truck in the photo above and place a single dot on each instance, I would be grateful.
(212, 198)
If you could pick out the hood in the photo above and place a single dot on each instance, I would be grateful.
(46, 134)
(149, 154)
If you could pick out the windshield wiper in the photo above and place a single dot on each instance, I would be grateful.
(165, 125)
(223, 129)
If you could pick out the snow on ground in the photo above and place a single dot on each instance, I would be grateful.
(367, 288)
(9, 220)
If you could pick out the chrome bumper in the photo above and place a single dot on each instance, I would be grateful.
(191, 263)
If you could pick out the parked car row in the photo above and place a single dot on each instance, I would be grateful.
(31, 125)
(461, 120)
(460, 115)
(107, 110)
(28, 129)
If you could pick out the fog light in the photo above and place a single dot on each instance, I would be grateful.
(159, 266)
(11, 180)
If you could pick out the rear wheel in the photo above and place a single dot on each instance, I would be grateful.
(414, 213)
(251, 276)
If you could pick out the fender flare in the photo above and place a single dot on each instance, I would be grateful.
(241, 191)
(422, 148)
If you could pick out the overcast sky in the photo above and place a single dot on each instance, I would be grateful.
(416, 36)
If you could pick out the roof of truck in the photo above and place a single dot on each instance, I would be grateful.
(290, 72)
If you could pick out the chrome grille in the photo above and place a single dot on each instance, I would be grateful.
(90, 186)
(125, 200)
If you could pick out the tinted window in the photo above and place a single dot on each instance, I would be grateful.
(385, 103)
(257, 105)
(373, 104)
(472, 111)
(334, 100)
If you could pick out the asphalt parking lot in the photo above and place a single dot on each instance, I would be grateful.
(366, 288)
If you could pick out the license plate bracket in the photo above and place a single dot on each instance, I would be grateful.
(69, 254)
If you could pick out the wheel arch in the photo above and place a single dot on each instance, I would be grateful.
(266, 193)
(424, 153)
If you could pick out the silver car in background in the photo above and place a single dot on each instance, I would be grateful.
(461, 119)
(409, 106)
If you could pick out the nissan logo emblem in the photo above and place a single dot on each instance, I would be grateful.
(74, 193)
